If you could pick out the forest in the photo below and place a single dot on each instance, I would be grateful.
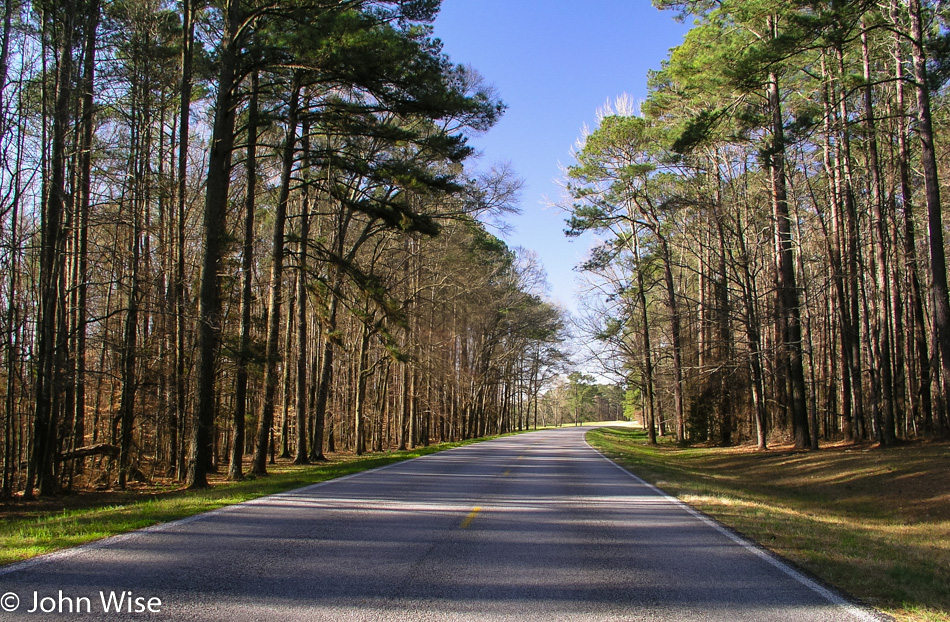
(239, 230)
(771, 256)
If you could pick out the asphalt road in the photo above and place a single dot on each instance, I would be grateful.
(531, 527)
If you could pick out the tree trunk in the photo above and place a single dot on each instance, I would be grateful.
(52, 251)
(325, 376)
(277, 266)
(130, 330)
(82, 261)
(919, 385)
(928, 163)
(286, 379)
(303, 250)
(881, 325)
(648, 399)
(235, 470)
(360, 403)
(215, 244)
(673, 308)
(724, 333)
(787, 290)
(849, 401)
(13, 334)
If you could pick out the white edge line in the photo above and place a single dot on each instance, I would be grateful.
(829, 595)
(159, 527)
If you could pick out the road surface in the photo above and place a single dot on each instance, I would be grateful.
(532, 527)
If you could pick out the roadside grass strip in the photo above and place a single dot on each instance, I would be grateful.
(30, 529)
(874, 523)
(25, 534)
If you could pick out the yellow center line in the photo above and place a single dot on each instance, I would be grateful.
(506, 473)
(468, 519)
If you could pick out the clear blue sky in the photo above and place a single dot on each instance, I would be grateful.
(553, 63)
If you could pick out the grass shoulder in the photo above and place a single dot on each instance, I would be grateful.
(28, 529)
(875, 523)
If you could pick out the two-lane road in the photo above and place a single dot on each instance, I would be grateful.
(531, 527)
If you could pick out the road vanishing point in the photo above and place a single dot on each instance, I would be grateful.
(536, 526)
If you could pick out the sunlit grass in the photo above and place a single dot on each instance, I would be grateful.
(876, 524)
(28, 534)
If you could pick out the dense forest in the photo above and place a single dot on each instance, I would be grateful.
(771, 250)
(237, 230)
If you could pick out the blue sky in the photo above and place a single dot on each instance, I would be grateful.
(553, 63)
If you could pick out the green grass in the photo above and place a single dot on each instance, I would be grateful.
(26, 533)
(35, 528)
(875, 523)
